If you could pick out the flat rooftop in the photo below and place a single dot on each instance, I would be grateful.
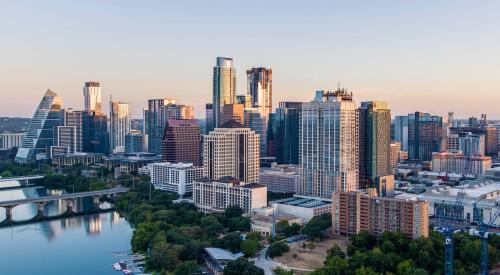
(302, 202)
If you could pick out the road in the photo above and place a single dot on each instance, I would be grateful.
(267, 265)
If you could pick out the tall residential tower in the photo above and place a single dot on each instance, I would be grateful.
(92, 96)
(224, 87)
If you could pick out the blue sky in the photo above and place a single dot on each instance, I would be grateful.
(432, 56)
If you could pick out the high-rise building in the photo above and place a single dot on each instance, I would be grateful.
(136, 143)
(286, 129)
(231, 151)
(394, 156)
(401, 131)
(353, 212)
(66, 138)
(424, 135)
(329, 144)
(156, 116)
(233, 112)
(458, 163)
(73, 118)
(10, 140)
(246, 100)
(95, 135)
(209, 118)
(39, 136)
(489, 133)
(224, 87)
(92, 97)
(119, 125)
(260, 88)
(374, 142)
(182, 141)
(258, 123)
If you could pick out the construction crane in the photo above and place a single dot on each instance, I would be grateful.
(483, 234)
(450, 218)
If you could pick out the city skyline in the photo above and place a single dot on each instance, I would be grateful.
(399, 53)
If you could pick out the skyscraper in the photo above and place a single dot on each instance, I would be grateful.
(153, 124)
(260, 88)
(73, 118)
(224, 87)
(209, 118)
(136, 143)
(233, 112)
(246, 100)
(182, 142)
(401, 131)
(95, 135)
(39, 136)
(424, 135)
(257, 123)
(119, 124)
(231, 151)
(374, 142)
(329, 144)
(286, 129)
(92, 96)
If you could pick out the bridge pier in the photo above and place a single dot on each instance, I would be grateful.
(8, 212)
(96, 202)
(40, 207)
(70, 204)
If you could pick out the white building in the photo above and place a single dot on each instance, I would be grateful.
(302, 207)
(329, 144)
(280, 178)
(10, 140)
(216, 196)
(92, 97)
(119, 125)
(231, 151)
(175, 177)
(456, 162)
(262, 220)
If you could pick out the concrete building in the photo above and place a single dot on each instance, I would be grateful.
(182, 141)
(215, 196)
(302, 207)
(119, 125)
(92, 97)
(246, 100)
(76, 158)
(456, 162)
(280, 178)
(470, 144)
(394, 156)
(136, 143)
(374, 142)
(286, 131)
(329, 144)
(129, 163)
(40, 134)
(355, 211)
(10, 140)
(66, 138)
(74, 118)
(224, 87)
(233, 112)
(175, 177)
(231, 151)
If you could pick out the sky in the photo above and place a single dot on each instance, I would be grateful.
(431, 56)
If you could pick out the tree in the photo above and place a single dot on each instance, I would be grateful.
(311, 246)
(277, 249)
(230, 241)
(188, 268)
(335, 251)
(233, 211)
(249, 247)
(281, 271)
(317, 225)
(6, 174)
(164, 256)
(254, 236)
(211, 226)
(242, 266)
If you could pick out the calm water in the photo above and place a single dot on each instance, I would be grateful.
(87, 244)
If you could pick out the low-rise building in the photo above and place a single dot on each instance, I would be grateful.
(302, 207)
(10, 140)
(280, 178)
(262, 220)
(216, 259)
(175, 177)
(356, 211)
(456, 162)
(76, 158)
(130, 163)
(216, 195)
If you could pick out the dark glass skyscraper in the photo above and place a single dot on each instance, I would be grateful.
(374, 142)
(95, 132)
(424, 135)
(286, 129)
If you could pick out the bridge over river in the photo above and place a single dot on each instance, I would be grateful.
(69, 198)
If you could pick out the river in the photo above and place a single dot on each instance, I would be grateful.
(87, 244)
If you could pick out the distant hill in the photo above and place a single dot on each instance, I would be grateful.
(13, 124)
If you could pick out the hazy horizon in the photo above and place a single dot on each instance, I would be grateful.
(432, 57)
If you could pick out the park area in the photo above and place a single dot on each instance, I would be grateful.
(306, 259)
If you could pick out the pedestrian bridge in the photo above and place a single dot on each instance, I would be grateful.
(23, 178)
(68, 198)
